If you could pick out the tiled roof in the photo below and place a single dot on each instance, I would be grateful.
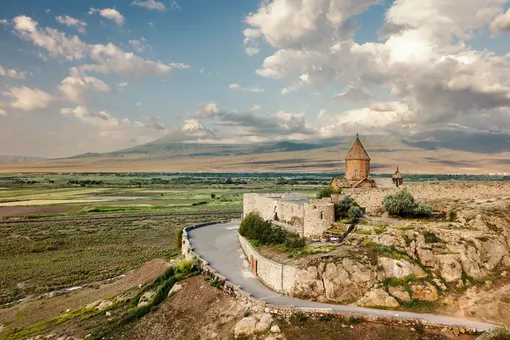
(357, 152)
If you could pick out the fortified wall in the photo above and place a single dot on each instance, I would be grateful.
(294, 212)
(372, 199)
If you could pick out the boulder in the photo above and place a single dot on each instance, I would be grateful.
(258, 323)
(275, 329)
(175, 288)
(378, 298)
(471, 263)
(399, 293)
(397, 268)
(308, 284)
(246, 326)
(426, 256)
(451, 270)
(424, 292)
(145, 298)
(104, 304)
(264, 322)
(346, 281)
(506, 261)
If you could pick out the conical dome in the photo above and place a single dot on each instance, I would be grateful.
(357, 152)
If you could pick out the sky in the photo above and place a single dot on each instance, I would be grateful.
(97, 76)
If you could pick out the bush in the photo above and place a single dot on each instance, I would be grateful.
(498, 333)
(403, 204)
(213, 196)
(327, 192)
(178, 238)
(261, 232)
(354, 213)
(347, 207)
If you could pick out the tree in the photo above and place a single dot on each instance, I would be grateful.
(343, 206)
(354, 213)
(403, 204)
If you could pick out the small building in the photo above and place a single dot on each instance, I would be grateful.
(293, 212)
(357, 169)
(397, 178)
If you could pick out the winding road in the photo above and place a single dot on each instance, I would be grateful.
(218, 244)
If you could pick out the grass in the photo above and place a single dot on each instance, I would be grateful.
(430, 237)
(39, 257)
(379, 250)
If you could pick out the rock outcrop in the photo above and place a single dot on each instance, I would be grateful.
(378, 298)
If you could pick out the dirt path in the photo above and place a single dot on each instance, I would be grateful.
(28, 313)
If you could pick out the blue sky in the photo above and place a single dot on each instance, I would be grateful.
(300, 40)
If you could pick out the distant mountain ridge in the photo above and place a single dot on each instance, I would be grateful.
(19, 159)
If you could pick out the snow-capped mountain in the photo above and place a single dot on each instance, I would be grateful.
(194, 128)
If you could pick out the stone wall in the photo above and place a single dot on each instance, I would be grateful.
(372, 198)
(277, 276)
(308, 218)
(362, 166)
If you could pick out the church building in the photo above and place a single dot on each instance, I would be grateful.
(357, 169)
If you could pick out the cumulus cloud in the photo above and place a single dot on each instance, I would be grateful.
(238, 87)
(255, 108)
(3, 112)
(72, 22)
(208, 110)
(30, 99)
(154, 122)
(109, 58)
(100, 119)
(74, 87)
(12, 73)
(432, 76)
(501, 23)
(150, 4)
(110, 14)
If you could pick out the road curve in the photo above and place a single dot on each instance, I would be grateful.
(218, 244)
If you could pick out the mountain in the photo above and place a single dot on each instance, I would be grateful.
(192, 127)
(18, 159)
(181, 151)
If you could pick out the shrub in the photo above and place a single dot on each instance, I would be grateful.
(327, 192)
(354, 320)
(431, 237)
(354, 213)
(213, 196)
(403, 204)
(178, 238)
(497, 333)
(261, 232)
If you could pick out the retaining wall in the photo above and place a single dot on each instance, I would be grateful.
(279, 277)
(258, 305)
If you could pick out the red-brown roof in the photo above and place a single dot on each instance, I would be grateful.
(357, 152)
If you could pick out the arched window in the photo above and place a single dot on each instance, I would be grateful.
(356, 173)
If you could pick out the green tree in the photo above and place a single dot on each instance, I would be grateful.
(354, 213)
(403, 204)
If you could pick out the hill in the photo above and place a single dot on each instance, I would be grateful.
(438, 152)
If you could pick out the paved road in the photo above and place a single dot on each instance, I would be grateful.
(218, 244)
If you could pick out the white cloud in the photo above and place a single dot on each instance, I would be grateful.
(208, 110)
(501, 23)
(109, 58)
(238, 87)
(150, 4)
(123, 84)
(138, 45)
(110, 14)
(422, 62)
(12, 73)
(30, 99)
(255, 108)
(74, 87)
(4, 21)
(322, 113)
(56, 43)
(3, 112)
(72, 22)
(100, 119)
(138, 104)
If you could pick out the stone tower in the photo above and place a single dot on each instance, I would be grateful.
(357, 162)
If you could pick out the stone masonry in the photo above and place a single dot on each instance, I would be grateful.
(294, 212)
